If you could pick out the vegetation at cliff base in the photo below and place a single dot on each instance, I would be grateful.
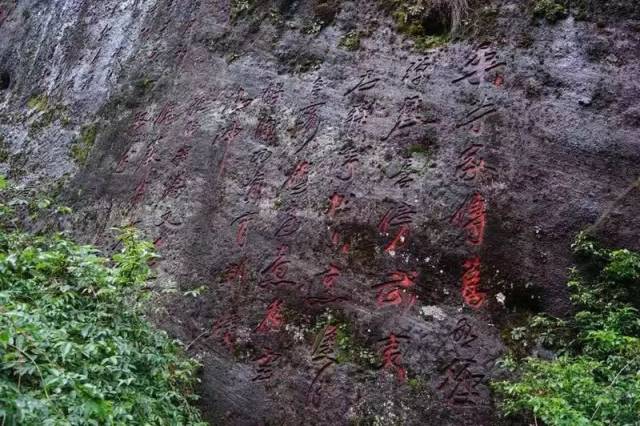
(587, 368)
(74, 346)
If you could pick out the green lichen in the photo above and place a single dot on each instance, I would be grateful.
(38, 103)
(418, 149)
(351, 41)
(82, 146)
(47, 113)
(241, 8)
(4, 150)
(417, 384)
(428, 23)
(550, 10)
(431, 42)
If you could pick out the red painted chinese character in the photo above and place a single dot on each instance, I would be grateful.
(243, 222)
(265, 364)
(393, 292)
(472, 217)
(471, 283)
(398, 241)
(236, 272)
(392, 357)
(401, 214)
(337, 242)
(298, 180)
(274, 318)
(472, 167)
(276, 273)
(222, 330)
(335, 201)
(331, 276)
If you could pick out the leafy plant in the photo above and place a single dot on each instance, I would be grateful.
(351, 40)
(591, 377)
(74, 345)
(550, 10)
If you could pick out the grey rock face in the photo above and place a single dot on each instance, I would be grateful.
(343, 233)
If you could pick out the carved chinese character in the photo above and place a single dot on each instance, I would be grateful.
(484, 59)
(350, 156)
(460, 383)
(271, 95)
(265, 364)
(471, 293)
(471, 216)
(225, 139)
(335, 202)
(399, 216)
(298, 179)
(266, 129)
(330, 276)
(367, 82)
(222, 329)
(275, 274)
(166, 115)
(358, 114)
(409, 115)
(395, 291)
(404, 177)
(472, 166)
(309, 122)
(243, 222)
(274, 319)
(236, 272)
(392, 356)
(485, 108)
(288, 226)
(463, 333)
(416, 72)
(236, 100)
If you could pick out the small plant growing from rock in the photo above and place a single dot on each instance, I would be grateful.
(549, 10)
(351, 41)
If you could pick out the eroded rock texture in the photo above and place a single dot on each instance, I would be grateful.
(345, 235)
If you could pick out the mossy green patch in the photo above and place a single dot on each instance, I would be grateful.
(418, 149)
(427, 22)
(550, 10)
(348, 349)
(4, 150)
(351, 41)
(38, 102)
(241, 8)
(82, 146)
(47, 112)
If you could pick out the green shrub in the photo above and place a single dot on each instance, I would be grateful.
(592, 376)
(351, 40)
(549, 10)
(74, 346)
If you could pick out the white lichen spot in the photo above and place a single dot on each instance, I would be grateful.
(433, 311)
(500, 297)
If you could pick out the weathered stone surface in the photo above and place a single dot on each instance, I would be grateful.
(282, 176)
